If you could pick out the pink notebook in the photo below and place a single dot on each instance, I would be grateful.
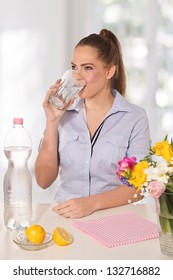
(118, 230)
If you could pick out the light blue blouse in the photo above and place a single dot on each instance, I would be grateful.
(86, 170)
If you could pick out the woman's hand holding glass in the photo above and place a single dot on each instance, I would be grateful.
(52, 114)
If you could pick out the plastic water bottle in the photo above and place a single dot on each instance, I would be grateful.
(17, 180)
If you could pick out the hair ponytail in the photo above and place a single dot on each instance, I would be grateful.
(109, 50)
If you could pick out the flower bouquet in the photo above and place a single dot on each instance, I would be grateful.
(154, 176)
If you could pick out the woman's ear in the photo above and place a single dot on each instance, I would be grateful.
(111, 71)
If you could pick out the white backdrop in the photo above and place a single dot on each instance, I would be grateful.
(36, 41)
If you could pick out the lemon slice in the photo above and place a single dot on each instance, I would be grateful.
(61, 236)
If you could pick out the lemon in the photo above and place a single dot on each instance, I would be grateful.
(35, 233)
(61, 236)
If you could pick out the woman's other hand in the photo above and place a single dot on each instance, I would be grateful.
(76, 207)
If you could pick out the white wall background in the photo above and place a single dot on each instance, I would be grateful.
(36, 41)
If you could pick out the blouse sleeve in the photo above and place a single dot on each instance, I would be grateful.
(139, 141)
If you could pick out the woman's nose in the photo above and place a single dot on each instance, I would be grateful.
(77, 74)
(78, 77)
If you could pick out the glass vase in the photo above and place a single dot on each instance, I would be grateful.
(164, 208)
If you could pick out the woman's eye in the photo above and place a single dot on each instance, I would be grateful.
(88, 67)
(73, 67)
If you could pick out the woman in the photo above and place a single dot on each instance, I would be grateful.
(94, 132)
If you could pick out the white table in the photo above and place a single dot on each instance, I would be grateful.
(83, 247)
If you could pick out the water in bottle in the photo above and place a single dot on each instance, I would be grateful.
(17, 179)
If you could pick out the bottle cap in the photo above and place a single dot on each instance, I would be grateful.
(18, 121)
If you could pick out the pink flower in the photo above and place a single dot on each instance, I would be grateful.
(156, 189)
(124, 165)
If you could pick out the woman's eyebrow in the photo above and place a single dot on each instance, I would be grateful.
(83, 64)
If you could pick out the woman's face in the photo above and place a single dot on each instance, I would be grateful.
(87, 67)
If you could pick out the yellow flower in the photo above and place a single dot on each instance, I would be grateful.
(163, 149)
(138, 177)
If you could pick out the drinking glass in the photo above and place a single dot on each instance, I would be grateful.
(69, 88)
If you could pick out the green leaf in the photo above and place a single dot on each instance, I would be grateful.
(171, 142)
(169, 187)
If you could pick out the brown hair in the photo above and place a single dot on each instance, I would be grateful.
(109, 51)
